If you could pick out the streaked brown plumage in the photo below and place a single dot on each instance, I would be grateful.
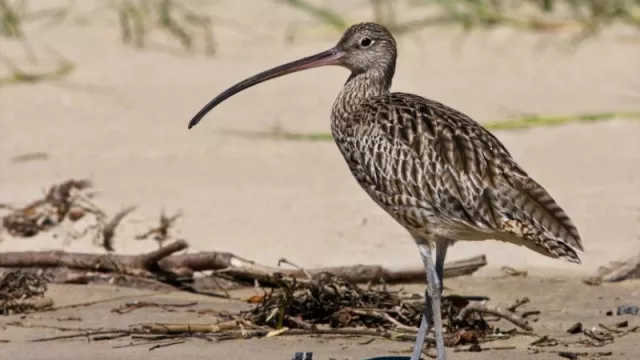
(436, 171)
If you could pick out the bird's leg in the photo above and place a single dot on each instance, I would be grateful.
(427, 315)
(424, 328)
(432, 310)
(441, 254)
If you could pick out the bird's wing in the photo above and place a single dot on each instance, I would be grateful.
(417, 151)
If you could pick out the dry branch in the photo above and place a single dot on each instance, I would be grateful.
(138, 265)
(170, 328)
(518, 303)
(150, 264)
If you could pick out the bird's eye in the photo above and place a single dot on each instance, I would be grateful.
(366, 42)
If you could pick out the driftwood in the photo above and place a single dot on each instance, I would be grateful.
(617, 271)
(144, 265)
(161, 261)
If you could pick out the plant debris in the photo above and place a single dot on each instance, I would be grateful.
(161, 233)
(61, 201)
(329, 300)
(109, 228)
(21, 291)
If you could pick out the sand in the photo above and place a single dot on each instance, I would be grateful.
(561, 302)
(120, 120)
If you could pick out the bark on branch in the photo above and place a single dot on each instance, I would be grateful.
(164, 260)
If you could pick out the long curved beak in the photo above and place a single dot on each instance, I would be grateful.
(328, 57)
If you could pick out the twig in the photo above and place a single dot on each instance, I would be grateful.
(82, 334)
(299, 322)
(129, 307)
(518, 303)
(600, 338)
(285, 261)
(110, 337)
(544, 341)
(496, 311)
(488, 348)
(169, 328)
(576, 354)
(381, 315)
(157, 346)
(526, 314)
(91, 303)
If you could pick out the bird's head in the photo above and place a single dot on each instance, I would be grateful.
(364, 47)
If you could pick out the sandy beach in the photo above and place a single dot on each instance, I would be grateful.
(120, 120)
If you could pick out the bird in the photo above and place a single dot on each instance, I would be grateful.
(440, 174)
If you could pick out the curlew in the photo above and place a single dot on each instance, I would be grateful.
(436, 171)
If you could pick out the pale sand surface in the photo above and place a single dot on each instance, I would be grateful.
(267, 199)
(271, 199)
(562, 303)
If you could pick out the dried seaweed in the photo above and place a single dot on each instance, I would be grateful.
(70, 201)
(46, 213)
(22, 291)
(331, 301)
(162, 232)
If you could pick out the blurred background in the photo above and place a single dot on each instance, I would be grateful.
(104, 89)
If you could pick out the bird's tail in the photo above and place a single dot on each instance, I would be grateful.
(551, 247)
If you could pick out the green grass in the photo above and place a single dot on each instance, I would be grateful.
(137, 19)
(520, 123)
(19, 76)
(181, 21)
(586, 17)
(530, 121)
(187, 21)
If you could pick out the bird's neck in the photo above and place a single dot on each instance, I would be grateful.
(358, 88)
